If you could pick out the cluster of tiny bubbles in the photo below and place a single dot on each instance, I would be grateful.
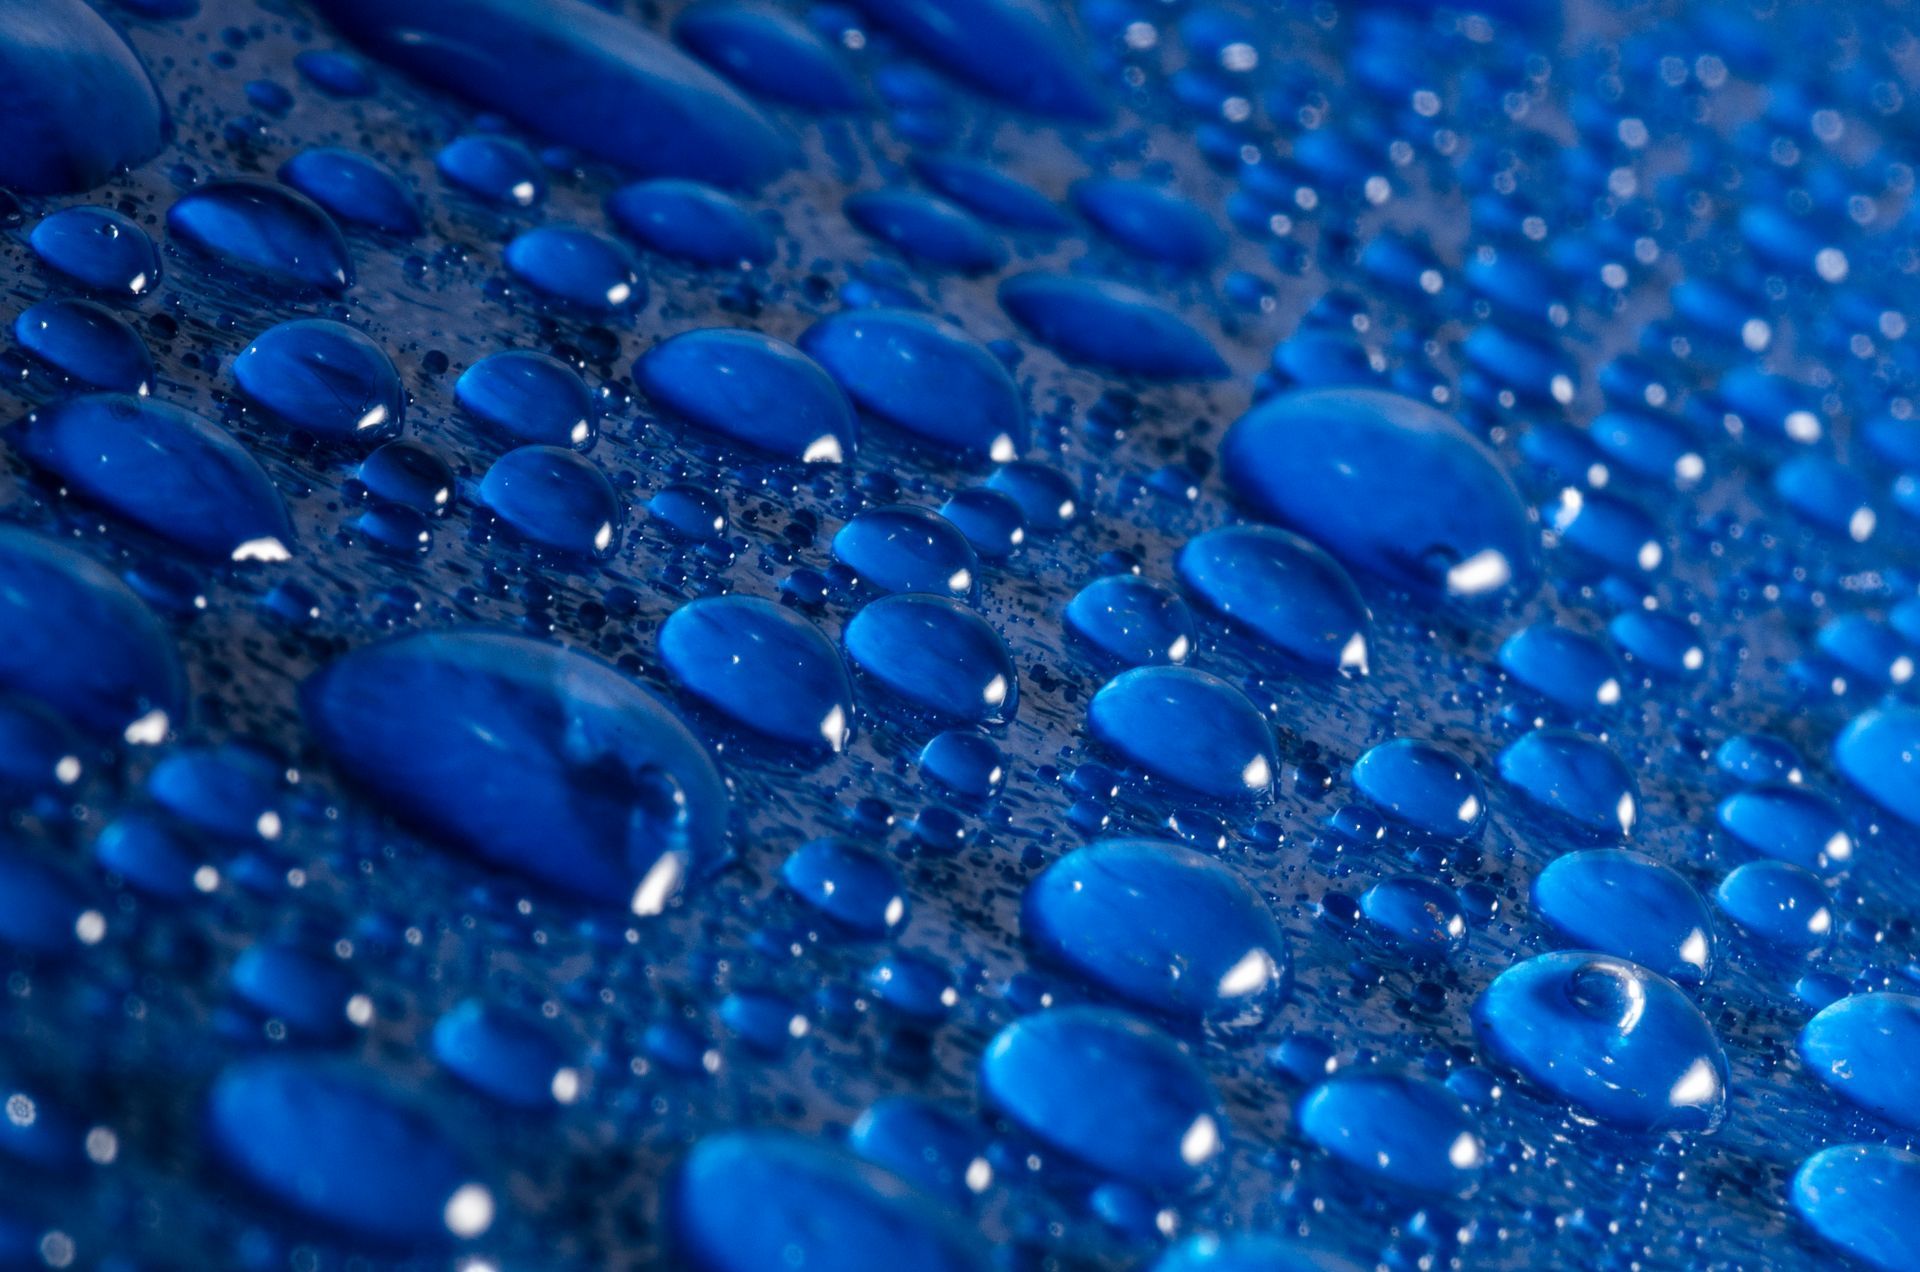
(1200, 635)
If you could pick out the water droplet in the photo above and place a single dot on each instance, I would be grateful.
(354, 188)
(900, 549)
(1151, 223)
(763, 666)
(1571, 670)
(99, 249)
(577, 267)
(1789, 822)
(1423, 785)
(1782, 904)
(1110, 325)
(88, 343)
(1108, 1091)
(497, 169)
(501, 1055)
(84, 105)
(1621, 1042)
(1162, 926)
(690, 222)
(583, 76)
(324, 377)
(927, 229)
(848, 884)
(554, 498)
(749, 1200)
(1132, 620)
(324, 1140)
(1867, 1048)
(1193, 729)
(924, 1143)
(754, 389)
(265, 232)
(1861, 1197)
(925, 376)
(532, 758)
(163, 468)
(989, 193)
(936, 654)
(1398, 1131)
(1879, 751)
(1624, 903)
(1417, 917)
(1017, 50)
(1577, 776)
(767, 52)
(1391, 486)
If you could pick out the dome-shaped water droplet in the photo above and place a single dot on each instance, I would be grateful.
(1163, 926)
(1789, 822)
(355, 189)
(82, 103)
(87, 343)
(99, 249)
(554, 498)
(1190, 728)
(577, 267)
(936, 654)
(901, 549)
(1861, 1198)
(1624, 903)
(1398, 1131)
(1867, 1047)
(1110, 325)
(763, 666)
(856, 888)
(925, 376)
(1879, 751)
(504, 1056)
(1132, 620)
(1423, 785)
(324, 377)
(1577, 776)
(690, 222)
(754, 389)
(264, 232)
(1780, 903)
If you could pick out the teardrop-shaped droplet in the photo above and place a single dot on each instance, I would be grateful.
(763, 666)
(532, 758)
(1399, 1131)
(936, 654)
(1190, 728)
(1285, 590)
(324, 377)
(1625, 903)
(754, 389)
(82, 104)
(1107, 1090)
(264, 232)
(925, 376)
(1110, 325)
(163, 468)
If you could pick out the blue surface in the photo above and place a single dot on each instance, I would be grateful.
(1081, 634)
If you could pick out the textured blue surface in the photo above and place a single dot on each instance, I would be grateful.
(1039, 634)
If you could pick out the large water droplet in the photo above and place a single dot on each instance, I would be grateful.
(265, 232)
(1577, 776)
(1283, 588)
(764, 666)
(82, 106)
(1399, 1131)
(925, 376)
(1423, 785)
(1163, 926)
(1107, 1090)
(1861, 1198)
(163, 468)
(1879, 751)
(936, 654)
(1388, 484)
(1110, 325)
(754, 389)
(1867, 1047)
(1624, 903)
(532, 758)
(1609, 1036)
(1186, 726)
(324, 377)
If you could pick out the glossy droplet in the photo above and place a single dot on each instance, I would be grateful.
(410, 476)
(1285, 590)
(1399, 1131)
(1423, 785)
(577, 267)
(1872, 650)
(355, 189)
(146, 851)
(1190, 728)
(1389, 485)
(497, 169)
(1576, 776)
(324, 1140)
(936, 654)
(1108, 1091)
(504, 1056)
(82, 104)
(163, 468)
(232, 791)
(264, 232)
(927, 229)
(754, 389)
(966, 763)
(900, 549)
(1162, 926)
(1867, 1047)
(99, 249)
(854, 887)
(1132, 620)
(582, 76)
(1149, 222)
(989, 193)
(768, 53)
(925, 376)
(1110, 325)
(1248, 1252)
(690, 222)
(1781, 904)
(43, 911)
(1789, 822)
(532, 758)
(1861, 1198)
(1665, 644)
(1627, 904)
(39, 751)
(88, 343)
(555, 498)
(1573, 671)
(324, 377)
(304, 993)
(82, 642)
(1048, 502)
(992, 522)
(1415, 916)
(1622, 1043)
(1759, 757)
(1021, 51)
(750, 1200)
(1879, 751)
(925, 1144)
(763, 666)
(531, 396)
